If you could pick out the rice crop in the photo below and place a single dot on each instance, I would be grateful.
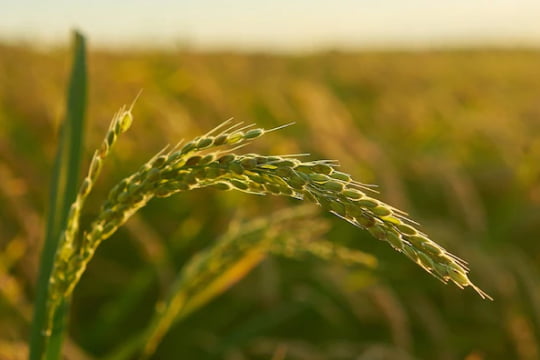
(453, 142)
(208, 161)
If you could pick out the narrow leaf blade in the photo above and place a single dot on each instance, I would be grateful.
(63, 190)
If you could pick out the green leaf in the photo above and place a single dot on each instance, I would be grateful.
(63, 189)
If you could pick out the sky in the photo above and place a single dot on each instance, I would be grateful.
(282, 25)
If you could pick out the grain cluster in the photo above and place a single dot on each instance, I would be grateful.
(208, 162)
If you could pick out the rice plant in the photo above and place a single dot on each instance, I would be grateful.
(208, 161)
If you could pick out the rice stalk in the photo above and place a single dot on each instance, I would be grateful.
(207, 162)
(290, 232)
(212, 271)
(67, 250)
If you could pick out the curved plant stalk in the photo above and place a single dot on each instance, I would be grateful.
(290, 232)
(213, 271)
(69, 240)
(207, 161)
(194, 166)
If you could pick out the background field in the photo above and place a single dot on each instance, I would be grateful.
(451, 137)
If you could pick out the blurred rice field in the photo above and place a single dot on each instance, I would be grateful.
(453, 138)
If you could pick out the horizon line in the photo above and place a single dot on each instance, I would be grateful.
(184, 44)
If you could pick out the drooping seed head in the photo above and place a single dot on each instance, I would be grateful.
(316, 181)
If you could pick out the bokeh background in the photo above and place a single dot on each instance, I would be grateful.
(438, 104)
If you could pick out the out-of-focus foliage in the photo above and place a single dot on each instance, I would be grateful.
(451, 137)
